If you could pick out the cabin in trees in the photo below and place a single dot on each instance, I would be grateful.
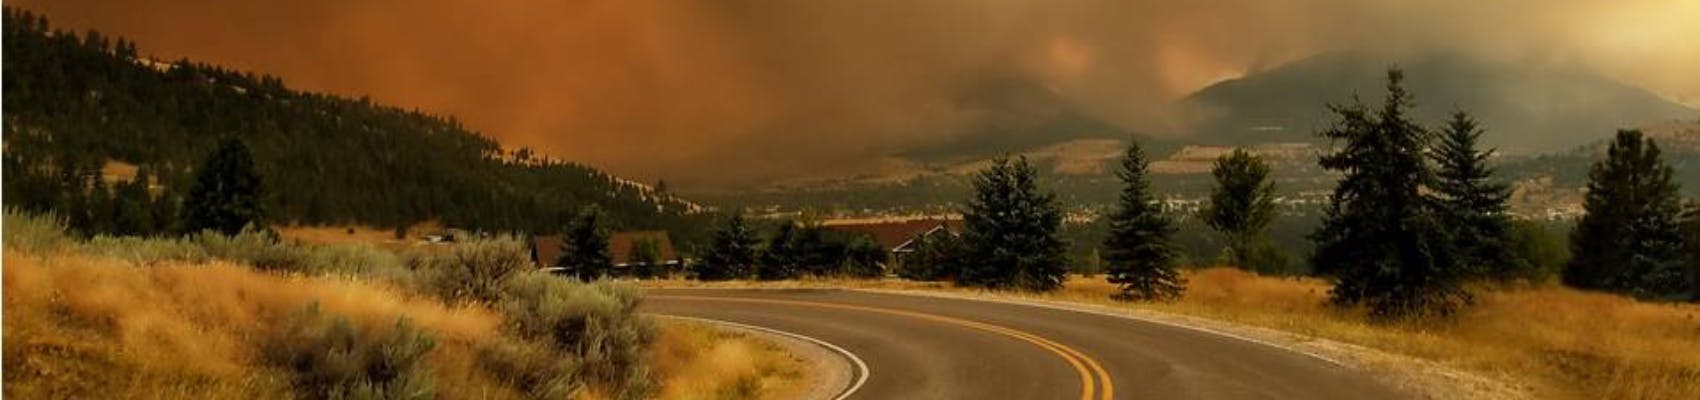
(898, 238)
(626, 249)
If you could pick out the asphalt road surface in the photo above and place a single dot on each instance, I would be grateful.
(919, 347)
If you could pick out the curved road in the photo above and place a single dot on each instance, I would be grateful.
(919, 347)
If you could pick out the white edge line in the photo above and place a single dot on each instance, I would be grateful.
(861, 367)
(1062, 306)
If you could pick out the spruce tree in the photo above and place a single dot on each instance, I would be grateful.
(780, 259)
(130, 205)
(1471, 205)
(1377, 240)
(1628, 241)
(731, 254)
(585, 252)
(226, 193)
(935, 257)
(1691, 246)
(645, 258)
(1012, 230)
(1138, 250)
(1241, 208)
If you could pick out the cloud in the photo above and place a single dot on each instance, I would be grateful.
(711, 92)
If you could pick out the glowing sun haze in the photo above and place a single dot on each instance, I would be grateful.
(720, 91)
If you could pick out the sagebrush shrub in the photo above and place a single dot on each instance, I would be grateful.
(471, 271)
(329, 358)
(597, 322)
(532, 367)
(33, 232)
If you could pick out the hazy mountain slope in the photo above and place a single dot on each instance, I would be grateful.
(74, 102)
(1679, 142)
(1526, 108)
(1014, 115)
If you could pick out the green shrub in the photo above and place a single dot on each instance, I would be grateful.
(596, 322)
(470, 271)
(531, 367)
(31, 232)
(146, 251)
(328, 358)
(258, 248)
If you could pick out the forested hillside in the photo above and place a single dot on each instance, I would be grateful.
(76, 102)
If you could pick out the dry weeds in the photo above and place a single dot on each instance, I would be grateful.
(700, 362)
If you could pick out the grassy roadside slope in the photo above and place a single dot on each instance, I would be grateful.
(240, 318)
(1552, 342)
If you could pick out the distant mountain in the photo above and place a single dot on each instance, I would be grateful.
(1014, 115)
(1525, 108)
(1679, 144)
(74, 103)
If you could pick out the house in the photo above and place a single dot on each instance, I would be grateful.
(546, 249)
(899, 237)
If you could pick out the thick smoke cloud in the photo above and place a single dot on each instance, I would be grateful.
(711, 92)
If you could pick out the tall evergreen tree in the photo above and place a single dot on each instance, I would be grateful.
(226, 194)
(1012, 230)
(1691, 246)
(780, 259)
(1377, 240)
(1628, 240)
(585, 252)
(731, 254)
(645, 258)
(936, 257)
(1138, 249)
(1241, 208)
(130, 205)
(1471, 205)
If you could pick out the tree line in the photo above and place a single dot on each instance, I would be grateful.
(1416, 215)
(77, 101)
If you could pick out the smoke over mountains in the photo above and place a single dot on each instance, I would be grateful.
(759, 90)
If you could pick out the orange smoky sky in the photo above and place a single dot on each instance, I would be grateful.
(713, 92)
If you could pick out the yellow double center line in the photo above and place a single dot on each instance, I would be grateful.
(1092, 375)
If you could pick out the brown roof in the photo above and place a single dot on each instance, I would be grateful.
(621, 245)
(892, 235)
(546, 249)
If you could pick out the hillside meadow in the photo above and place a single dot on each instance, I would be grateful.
(1543, 341)
(244, 318)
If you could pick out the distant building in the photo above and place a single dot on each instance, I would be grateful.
(899, 237)
(545, 250)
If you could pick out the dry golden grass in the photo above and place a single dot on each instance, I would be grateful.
(698, 362)
(348, 235)
(83, 327)
(1560, 342)
(80, 326)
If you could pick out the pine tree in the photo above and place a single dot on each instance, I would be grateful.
(226, 194)
(863, 258)
(1012, 230)
(1628, 240)
(1382, 248)
(1138, 249)
(780, 259)
(935, 257)
(1241, 208)
(130, 204)
(584, 248)
(645, 256)
(1472, 206)
(731, 254)
(1691, 246)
